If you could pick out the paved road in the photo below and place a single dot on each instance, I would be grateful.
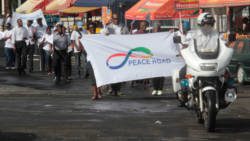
(33, 109)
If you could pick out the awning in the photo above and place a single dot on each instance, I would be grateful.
(223, 3)
(56, 5)
(167, 11)
(32, 5)
(98, 3)
(76, 10)
(91, 3)
(157, 10)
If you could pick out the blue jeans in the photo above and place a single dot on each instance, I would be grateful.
(10, 57)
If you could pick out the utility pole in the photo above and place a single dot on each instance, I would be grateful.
(3, 7)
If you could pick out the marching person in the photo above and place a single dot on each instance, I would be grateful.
(19, 35)
(40, 31)
(91, 30)
(8, 48)
(114, 28)
(60, 44)
(97, 94)
(77, 46)
(30, 43)
(48, 42)
(141, 30)
(158, 82)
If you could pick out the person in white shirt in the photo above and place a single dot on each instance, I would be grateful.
(8, 19)
(30, 43)
(40, 31)
(8, 48)
(47, 47)
(19, 35)
(77, 46)
(114, 27)
(60, 46)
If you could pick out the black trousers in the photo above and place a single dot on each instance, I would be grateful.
(42, 58)
(30, 52)
(86, 67)
(59, 61)
(78, 62)
(158, 83)
(21, 55)
(116, 87)
(68, 63)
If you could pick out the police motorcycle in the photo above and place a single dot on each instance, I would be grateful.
(207, 87)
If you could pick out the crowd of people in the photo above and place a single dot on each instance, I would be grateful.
(56, 46)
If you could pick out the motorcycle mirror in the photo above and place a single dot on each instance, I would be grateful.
(232, 37)
(177, 39)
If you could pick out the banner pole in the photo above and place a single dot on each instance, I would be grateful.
(180, 25)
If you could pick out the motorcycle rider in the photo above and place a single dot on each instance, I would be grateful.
(206, 36)
(206, 42)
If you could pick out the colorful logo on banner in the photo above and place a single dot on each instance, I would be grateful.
(135, 57)
(130, 54)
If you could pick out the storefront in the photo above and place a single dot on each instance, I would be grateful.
(159, 11)
(229, 13)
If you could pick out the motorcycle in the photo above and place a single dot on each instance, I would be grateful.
(207, 87)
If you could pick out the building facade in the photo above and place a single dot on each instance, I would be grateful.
(9, 6)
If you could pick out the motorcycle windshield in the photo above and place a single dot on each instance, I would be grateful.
(210, 51)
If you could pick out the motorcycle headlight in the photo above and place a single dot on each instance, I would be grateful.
(208, 66)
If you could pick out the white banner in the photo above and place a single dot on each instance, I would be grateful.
(25, 17)
(119, 58)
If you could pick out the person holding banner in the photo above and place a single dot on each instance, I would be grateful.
(19, 35)
(114, 28)
(30, 43)
(40, 31)
(141, 30)
(158, 82)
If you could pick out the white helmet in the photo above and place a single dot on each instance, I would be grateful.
(205, 18)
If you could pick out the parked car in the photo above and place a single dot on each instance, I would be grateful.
(240, 63)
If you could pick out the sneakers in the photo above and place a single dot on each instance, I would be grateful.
(13, 68)
(157, 92)
(56, 80)
(154, 92)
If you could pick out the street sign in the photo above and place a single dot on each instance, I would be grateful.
(186, 4)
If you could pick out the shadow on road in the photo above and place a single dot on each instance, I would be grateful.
(153, 98)
(17, 136)
(233, 125)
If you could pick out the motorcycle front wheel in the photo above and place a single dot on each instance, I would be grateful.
(210, 112)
